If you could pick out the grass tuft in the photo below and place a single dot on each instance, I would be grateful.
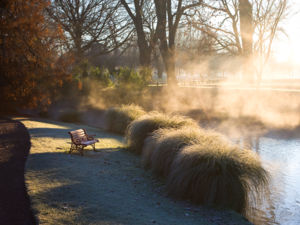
(141, 128)
(118, 118)
(163, 145)
(218, 175)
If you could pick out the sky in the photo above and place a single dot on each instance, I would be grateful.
(288, 48)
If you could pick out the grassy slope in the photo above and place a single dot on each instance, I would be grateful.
(106, 187)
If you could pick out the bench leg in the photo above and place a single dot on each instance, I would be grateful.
(80, 149)
(77, 148)
(73, 147)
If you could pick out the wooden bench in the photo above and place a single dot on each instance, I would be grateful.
(80, 139)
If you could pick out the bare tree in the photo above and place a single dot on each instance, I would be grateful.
(141, 13)
(268, 16)
(194, 42)
(88, 22)
(220, 20)
(243, 27)
(169, 14)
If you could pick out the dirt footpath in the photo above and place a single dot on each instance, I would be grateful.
(104, 187)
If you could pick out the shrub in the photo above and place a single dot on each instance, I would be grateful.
(118, 118)
(101, 75)
(139, 129)
(168, 142)
(146, 74)
(219, 175)
(70, 117)
(129, 78)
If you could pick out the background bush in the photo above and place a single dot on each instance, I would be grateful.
(129, 78)
(118, 118)
(102, 76)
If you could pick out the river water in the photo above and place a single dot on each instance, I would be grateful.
(281, 157)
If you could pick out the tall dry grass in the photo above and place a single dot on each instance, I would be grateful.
(141, 128)
(218, 175)
(162, 146)
(199, 165)
(118, 118)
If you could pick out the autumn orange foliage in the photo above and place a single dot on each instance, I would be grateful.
(30, 69)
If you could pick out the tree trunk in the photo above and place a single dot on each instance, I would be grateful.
(145, 51)
(246, 27)
(168, 54)
(170, 67)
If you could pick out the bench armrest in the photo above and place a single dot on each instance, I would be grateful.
(90, 137)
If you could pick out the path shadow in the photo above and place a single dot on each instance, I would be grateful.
(107, 188)
(79, 188)
(49, 132)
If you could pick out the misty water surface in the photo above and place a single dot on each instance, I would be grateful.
(281, 157)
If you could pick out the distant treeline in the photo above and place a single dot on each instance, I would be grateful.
(44, 45)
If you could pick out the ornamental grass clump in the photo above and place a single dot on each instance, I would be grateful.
(162, 146)
(141, 128)
(118, 118)
(223, 176)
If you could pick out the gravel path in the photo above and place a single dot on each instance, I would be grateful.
(104, 187)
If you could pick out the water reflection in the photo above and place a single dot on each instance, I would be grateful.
(281, 157)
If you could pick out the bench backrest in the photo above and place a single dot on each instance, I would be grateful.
(78, 136)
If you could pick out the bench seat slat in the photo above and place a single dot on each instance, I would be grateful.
(89, 142)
